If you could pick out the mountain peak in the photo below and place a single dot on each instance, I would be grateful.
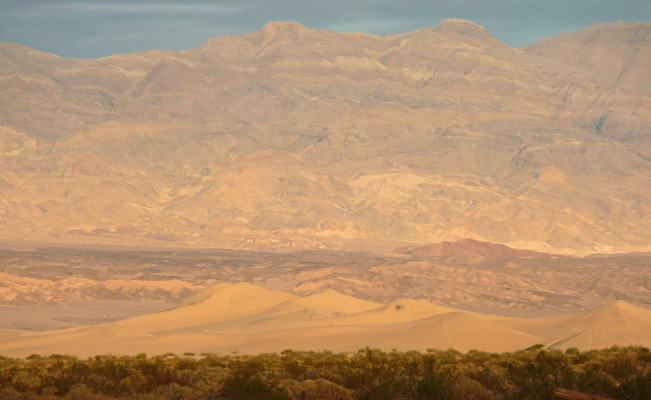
(283, 26)
(460, 26)
(455, 23)
(273, 30)
(280, 28)
(462, 31)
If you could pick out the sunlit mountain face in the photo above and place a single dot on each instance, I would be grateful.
(290, 138)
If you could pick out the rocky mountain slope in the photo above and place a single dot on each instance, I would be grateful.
(468, 247)
(294, 138)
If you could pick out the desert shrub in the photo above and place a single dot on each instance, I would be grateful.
(82, 392)
(54, 371)
(531, 380)
(157, 372)
(375, 374)
(324, 389)
(315, 390)
(10, 394)
(294, 363)
(467, 388)
(174, 391)
(491, 377)
(243, 387)
(378, 391)
(23, 381)
(107, 374)
(637, 387)
(445, 357)
(618, 372)
(295, 389)
(478, 357)
(209, 380)
(596, 381)
(575, 356)
(136, 382)
(622, 365)
(437, 385)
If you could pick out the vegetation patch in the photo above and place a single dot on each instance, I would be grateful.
(616, 372)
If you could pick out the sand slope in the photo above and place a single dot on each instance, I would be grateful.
(223, 302)
(250, 319)
(616, 323)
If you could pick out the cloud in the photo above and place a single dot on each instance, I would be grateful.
(135, 8)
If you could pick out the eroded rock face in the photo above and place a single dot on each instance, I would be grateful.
(295, 138)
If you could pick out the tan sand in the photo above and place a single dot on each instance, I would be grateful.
(249, 319)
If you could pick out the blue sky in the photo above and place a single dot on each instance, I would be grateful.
(96, 28)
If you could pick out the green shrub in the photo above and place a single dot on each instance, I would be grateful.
(617, 372)
(242, 387)
(10, 394)
(315, 390)
(174, 391)
(637, 387)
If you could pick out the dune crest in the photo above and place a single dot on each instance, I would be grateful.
(233, 293)
(252, 319)
(337, 302)
(614, 323)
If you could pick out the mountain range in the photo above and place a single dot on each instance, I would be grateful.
(293, 138)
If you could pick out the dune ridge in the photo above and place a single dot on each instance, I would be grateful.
(250, 319)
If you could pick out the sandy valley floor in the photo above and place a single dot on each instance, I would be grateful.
(45, 289)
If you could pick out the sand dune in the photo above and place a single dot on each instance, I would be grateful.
(403, 310)
(13, 334)
(249, 319)
(590, 339)
(302, 312)
(618, 323)
(337, 302)
(459, 330)
(219, 303)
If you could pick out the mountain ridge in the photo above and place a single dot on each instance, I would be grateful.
(329, 140)
(627, 45)
(469, 247)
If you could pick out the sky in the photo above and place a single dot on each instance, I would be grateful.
(98, 28)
